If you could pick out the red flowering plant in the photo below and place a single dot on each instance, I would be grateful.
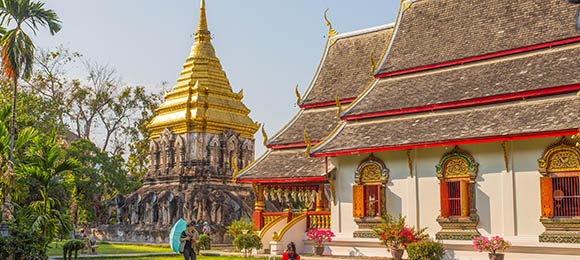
(319, 236)
(396, 235)
(492, 245)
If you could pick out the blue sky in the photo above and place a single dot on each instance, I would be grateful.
(266, 46)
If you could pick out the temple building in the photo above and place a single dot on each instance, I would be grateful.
(465, 129)
(200, 134)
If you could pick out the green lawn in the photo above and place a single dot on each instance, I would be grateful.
(179, 257)
(106, 248)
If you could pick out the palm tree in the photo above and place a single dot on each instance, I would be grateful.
(17, 47)
(7, 176)
(45, 163)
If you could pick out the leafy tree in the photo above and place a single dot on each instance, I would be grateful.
(46, 165)
(8, 180)
(17, 47)
(100, 177)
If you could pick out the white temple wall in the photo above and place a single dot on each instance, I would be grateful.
(508, 203)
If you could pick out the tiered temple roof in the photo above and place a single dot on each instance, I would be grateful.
(465, 72)
(203, 100)
(346, 69)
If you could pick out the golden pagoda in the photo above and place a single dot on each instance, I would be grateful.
(203, 100)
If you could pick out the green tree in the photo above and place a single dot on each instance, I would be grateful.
(46, 165)
(17, 47)
(100, 178)
(8, 179)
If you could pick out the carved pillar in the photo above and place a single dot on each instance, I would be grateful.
(259, 206)
(321, 200)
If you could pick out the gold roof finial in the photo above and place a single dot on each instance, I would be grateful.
(331, 31)
(373, 66)
(264, 135)
(202, 47)
(236, 171)
(339, 106)
(202, 29)
(308, 144)
(298, 96)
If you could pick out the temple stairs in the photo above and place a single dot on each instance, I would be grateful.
(281, 228)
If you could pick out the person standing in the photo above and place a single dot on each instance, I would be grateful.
(206, 229)
(190, 237)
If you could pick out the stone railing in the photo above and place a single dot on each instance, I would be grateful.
(319, 220)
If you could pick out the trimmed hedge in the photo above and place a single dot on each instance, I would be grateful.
(426, 250)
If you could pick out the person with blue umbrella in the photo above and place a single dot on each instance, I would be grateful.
(189, 238)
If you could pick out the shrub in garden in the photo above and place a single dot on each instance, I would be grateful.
(425, 250)
(25, 244)
(319, 236)
(492, 245)
(204, 242)
(239, 227)
(247, 243)
(395, 234)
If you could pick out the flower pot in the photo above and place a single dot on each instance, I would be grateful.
(495, 256)
(318, 250)
(397, 253)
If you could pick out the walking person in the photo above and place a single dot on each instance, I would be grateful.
(189, 238)
(290, 252)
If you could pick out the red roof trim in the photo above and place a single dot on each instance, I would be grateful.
(329, 103)
(285, 180)
(481, 57)
(294, 145)
(468, 102)
(488, 139)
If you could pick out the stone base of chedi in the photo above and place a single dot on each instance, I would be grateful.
(148, 214)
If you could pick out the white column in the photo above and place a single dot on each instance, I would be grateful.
(508, 195)
(412, 199)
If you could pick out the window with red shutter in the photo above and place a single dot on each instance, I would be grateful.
(454, 197)
(566, 196)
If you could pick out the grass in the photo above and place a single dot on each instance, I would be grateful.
(177, 257)
(108, 248)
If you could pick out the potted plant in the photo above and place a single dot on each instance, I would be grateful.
(319, 236)
(492, 245)
(396, 235)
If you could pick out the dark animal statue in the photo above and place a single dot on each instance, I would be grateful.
(72, 246)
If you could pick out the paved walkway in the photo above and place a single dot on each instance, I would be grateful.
(208, 253)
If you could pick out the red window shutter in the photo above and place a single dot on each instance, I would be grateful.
(444, 199)
(358, 207)
(546, 197)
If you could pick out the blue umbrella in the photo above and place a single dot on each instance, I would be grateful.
(175, 234)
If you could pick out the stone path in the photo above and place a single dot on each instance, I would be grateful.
(208, 253)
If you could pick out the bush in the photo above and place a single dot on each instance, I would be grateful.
(239, 227)
(247, 243)
(425, 250)
(204, 242)
(395, 233)
(3, 248)
(24, 245)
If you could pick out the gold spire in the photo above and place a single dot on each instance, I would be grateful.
(203, 100)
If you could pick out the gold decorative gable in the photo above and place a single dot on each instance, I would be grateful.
(371, 171)
(560, 157)
(457, 164)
